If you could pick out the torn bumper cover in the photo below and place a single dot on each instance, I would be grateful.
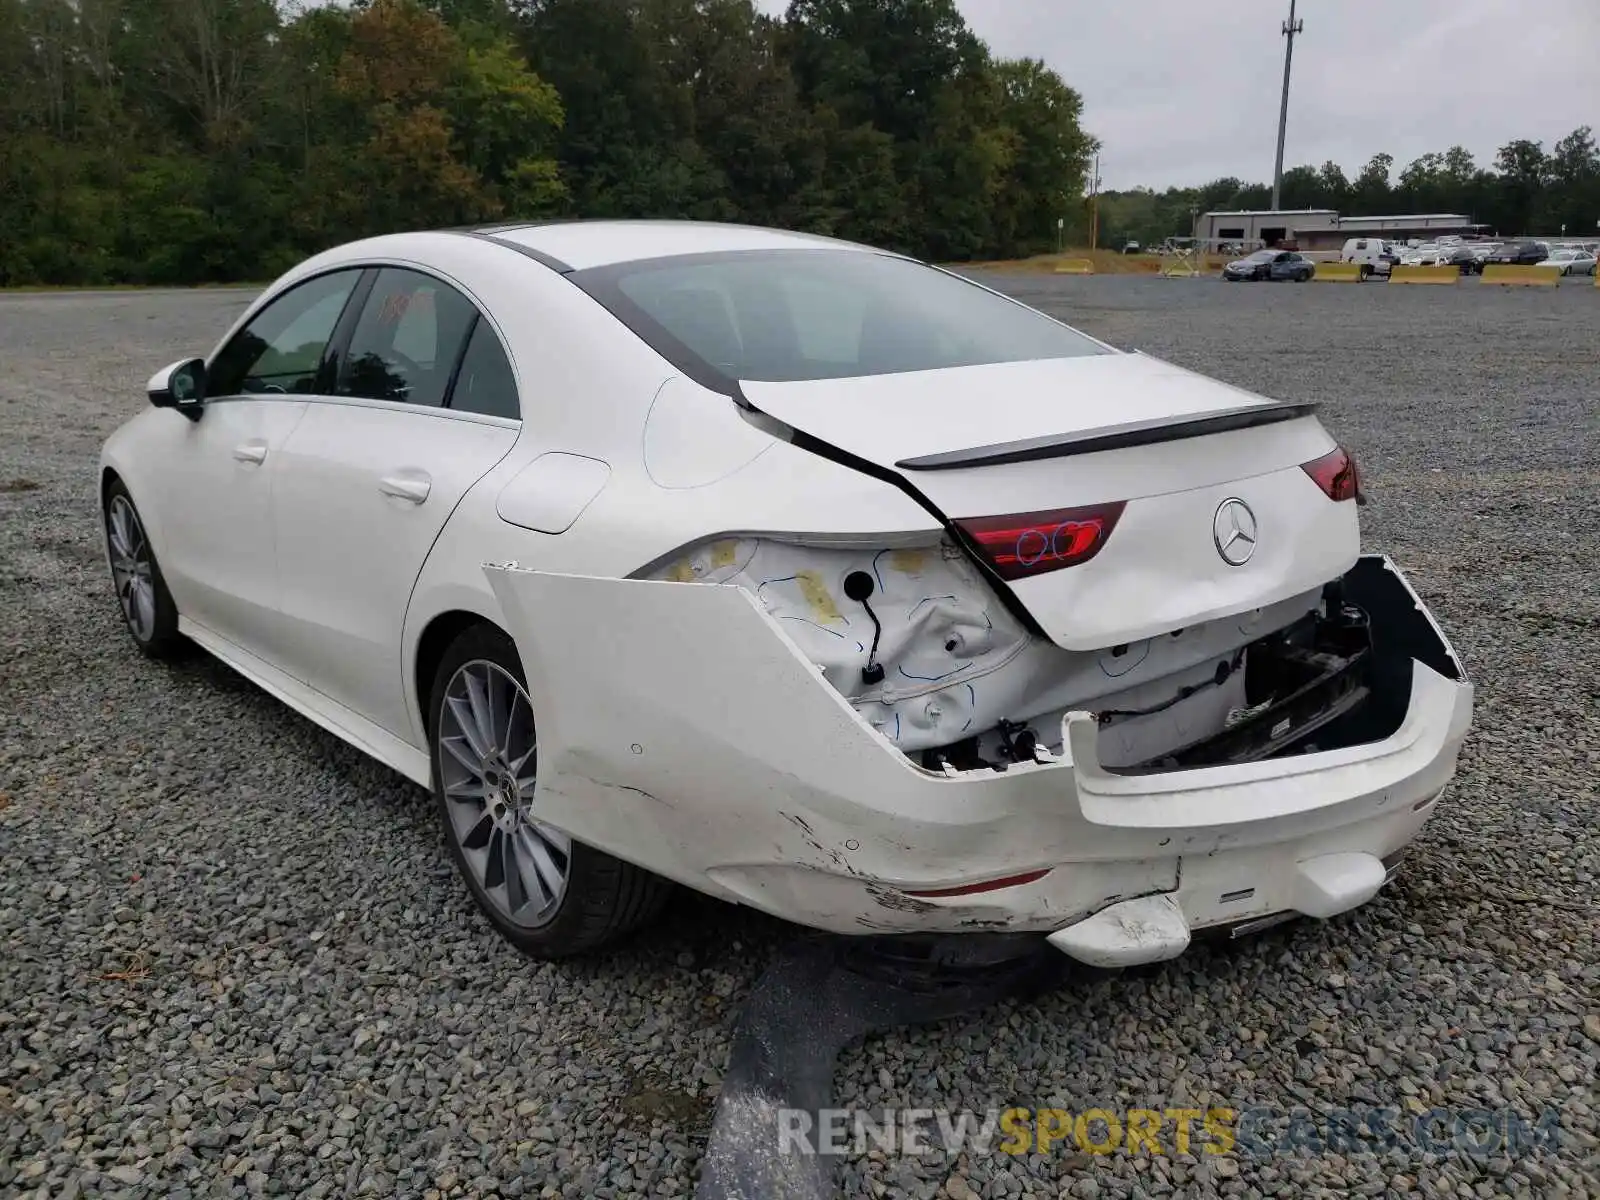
(685, 731)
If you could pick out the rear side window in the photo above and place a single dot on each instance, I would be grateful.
(485, 383)
(407, 340)
(786, 315)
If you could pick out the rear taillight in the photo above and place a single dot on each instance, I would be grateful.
(1335, 473)
(1024, 544)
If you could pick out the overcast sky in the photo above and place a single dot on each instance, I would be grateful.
(1186, 91)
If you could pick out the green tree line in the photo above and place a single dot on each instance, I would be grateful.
(184, 141)
(1526, 190)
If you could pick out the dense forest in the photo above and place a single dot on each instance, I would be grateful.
(186, 141)
(167, 141)
(1528, 190)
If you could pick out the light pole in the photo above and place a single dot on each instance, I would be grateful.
(1291, 27)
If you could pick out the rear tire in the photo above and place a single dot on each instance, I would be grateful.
(547, 895)
(148, 612)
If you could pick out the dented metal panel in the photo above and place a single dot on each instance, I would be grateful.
(690, 732)
(930, 657)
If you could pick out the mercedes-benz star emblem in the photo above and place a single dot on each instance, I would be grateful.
(1233, 529)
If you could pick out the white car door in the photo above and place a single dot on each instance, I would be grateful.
(216, 483)
(371, 474)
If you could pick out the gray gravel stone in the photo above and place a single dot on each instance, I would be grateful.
(232, 962)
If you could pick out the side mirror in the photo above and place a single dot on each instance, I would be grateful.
(181, 386)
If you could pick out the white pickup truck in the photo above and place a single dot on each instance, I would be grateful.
(1376, 256)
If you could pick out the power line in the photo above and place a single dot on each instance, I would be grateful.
(1291, 27)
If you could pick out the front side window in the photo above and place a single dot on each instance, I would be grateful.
(281, 349)
(788, 315)
(408, 339)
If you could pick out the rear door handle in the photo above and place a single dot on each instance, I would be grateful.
(251, 452)
(414, 488)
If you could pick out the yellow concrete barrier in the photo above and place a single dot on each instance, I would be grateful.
(1075, 266)
(1338, 272)
(1521, 276)
(1402, 274)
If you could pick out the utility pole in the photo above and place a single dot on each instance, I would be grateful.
(1291, 27)
(1094, 206)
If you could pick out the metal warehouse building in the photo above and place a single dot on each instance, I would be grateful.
(1323, 228)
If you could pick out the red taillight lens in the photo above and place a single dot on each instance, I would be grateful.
(1335, 473)
(1024, 544)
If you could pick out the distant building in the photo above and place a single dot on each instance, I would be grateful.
(1399, 228)
(1265, 226)
(1323, 228)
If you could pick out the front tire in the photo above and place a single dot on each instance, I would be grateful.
(547, 895)
(148, 612)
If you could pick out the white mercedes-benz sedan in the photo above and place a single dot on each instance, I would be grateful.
(800, 573)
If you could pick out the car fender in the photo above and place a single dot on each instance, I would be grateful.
(128, 452)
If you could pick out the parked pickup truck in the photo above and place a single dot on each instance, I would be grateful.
(1376, 256)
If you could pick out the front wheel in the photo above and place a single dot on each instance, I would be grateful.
(147, 608)
(1366, 272)
(546, 894)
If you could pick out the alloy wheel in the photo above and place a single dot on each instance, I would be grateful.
(488, 760)
(131, 568)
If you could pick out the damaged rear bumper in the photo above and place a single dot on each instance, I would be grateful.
(684, 731)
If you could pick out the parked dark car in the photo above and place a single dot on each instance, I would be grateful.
(1520, 253)
(1464, 259)
(1271, 265)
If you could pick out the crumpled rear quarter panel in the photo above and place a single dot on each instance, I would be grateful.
(681, 728)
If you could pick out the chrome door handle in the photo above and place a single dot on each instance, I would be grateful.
(406, 487)
(250, 452)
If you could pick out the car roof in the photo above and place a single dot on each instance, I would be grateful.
(578, 245)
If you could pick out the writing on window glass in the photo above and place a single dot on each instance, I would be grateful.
(397, 304)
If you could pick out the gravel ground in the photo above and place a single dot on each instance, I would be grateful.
(233, 959)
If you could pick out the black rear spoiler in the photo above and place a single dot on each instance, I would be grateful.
(1109, 437)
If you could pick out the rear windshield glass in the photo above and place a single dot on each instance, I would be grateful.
(787, 315)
